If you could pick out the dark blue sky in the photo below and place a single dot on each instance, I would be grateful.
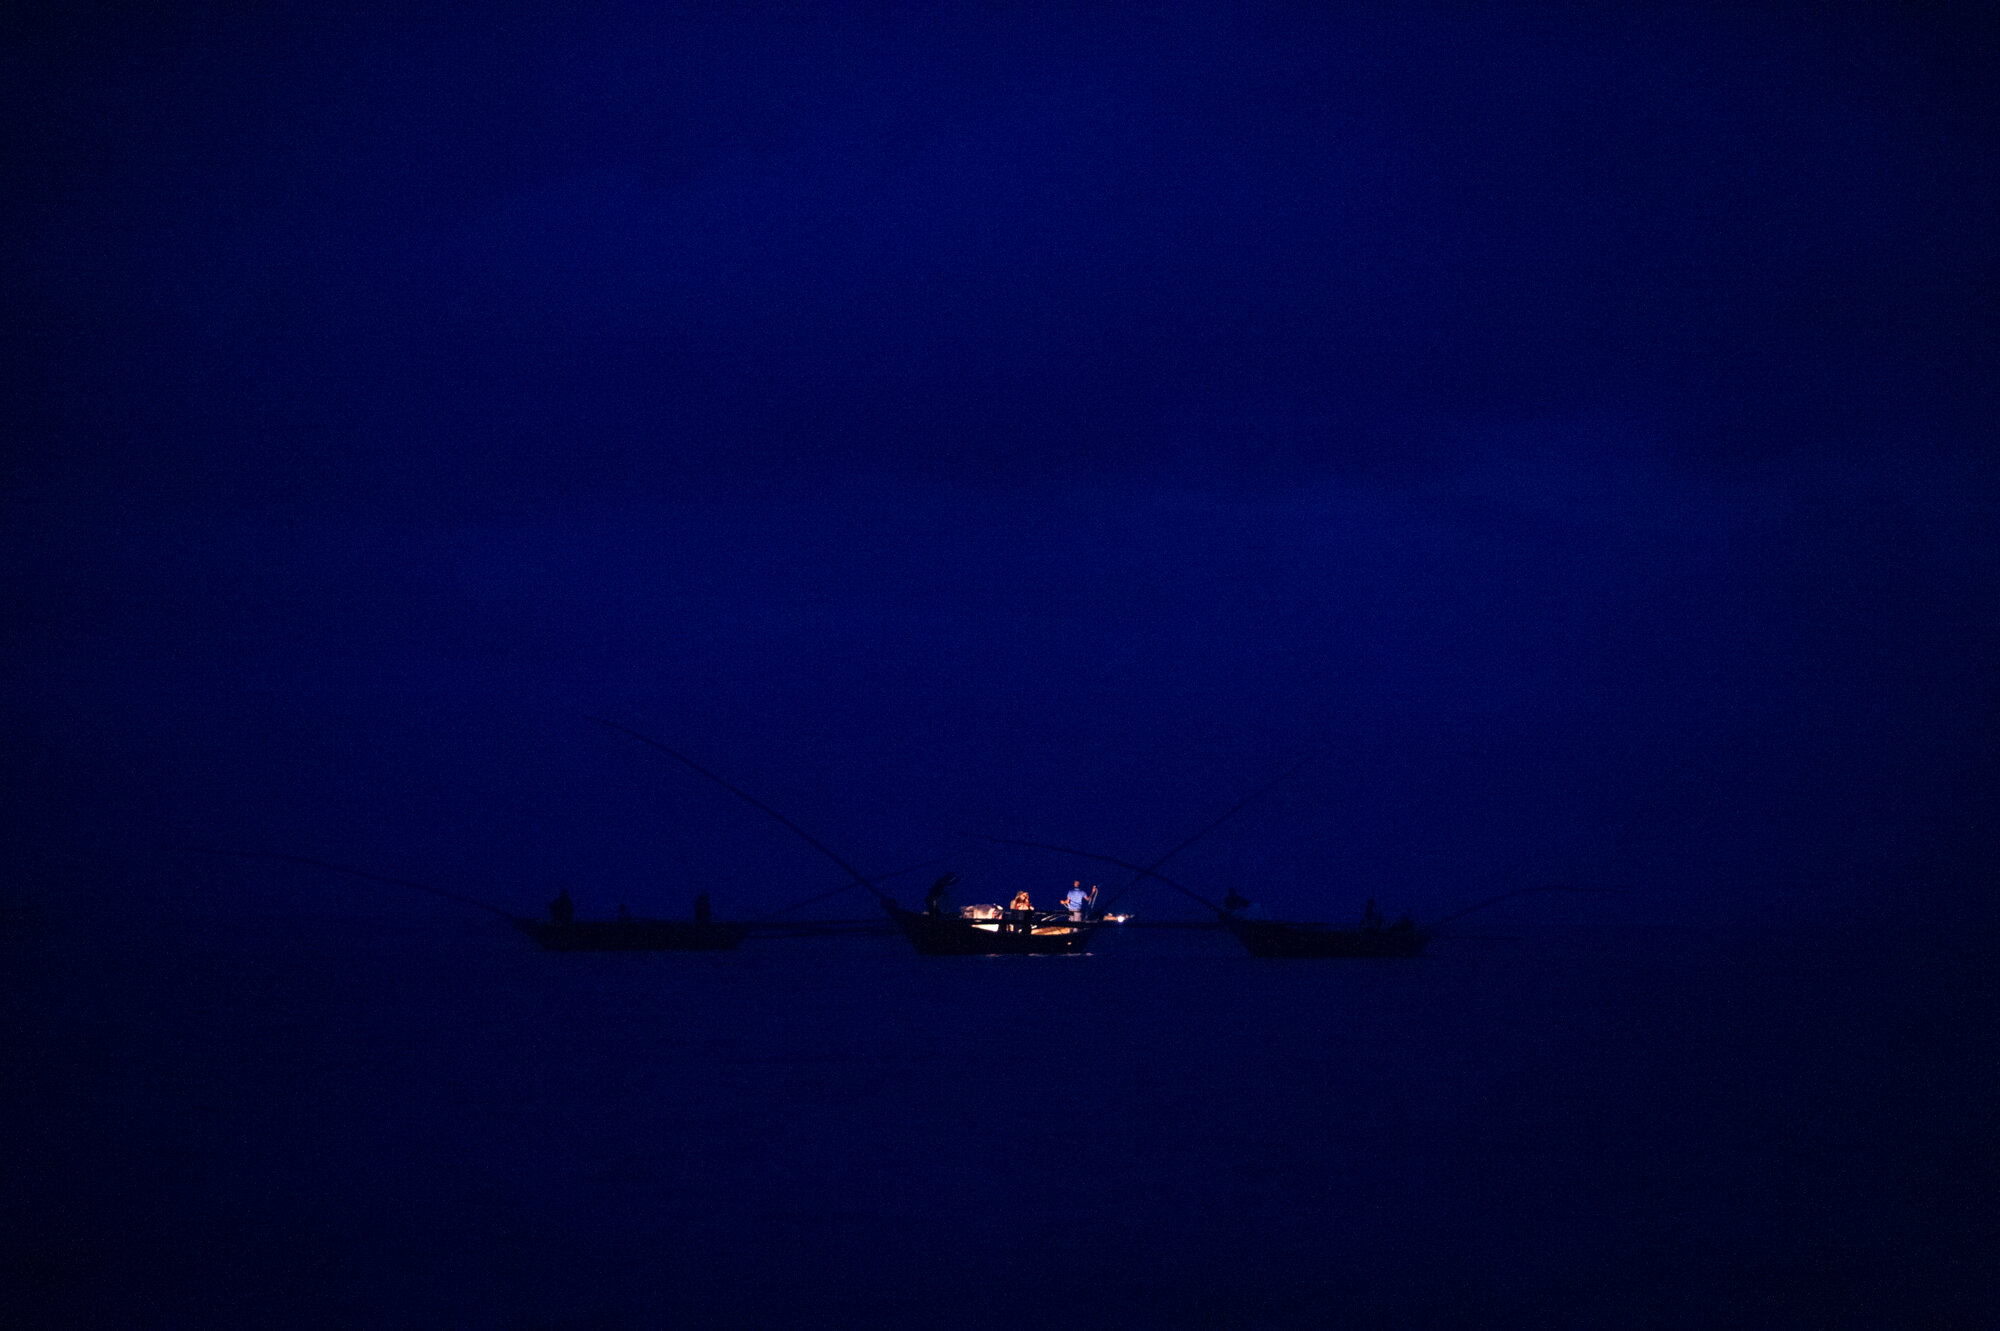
(1575, 426)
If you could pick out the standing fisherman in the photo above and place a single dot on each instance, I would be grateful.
(562, 910)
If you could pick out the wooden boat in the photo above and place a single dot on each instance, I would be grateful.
(974, 931)
(633, 935)
(991, 931)
(627, 934)
(1300, 939)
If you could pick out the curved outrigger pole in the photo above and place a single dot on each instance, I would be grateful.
(756, 803)
(1509, 896)
(1141, 872)
(1291, 938)
(929, 931)
(1144, 871)
(1231, 812)
(1151, 872)
(769, 916)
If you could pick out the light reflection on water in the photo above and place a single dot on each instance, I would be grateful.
(428, 1121)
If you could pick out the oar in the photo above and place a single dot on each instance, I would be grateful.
(756, 803)
(358, 873)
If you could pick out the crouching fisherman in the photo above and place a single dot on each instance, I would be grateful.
(1237, 904)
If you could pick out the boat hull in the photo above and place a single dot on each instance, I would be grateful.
(1297, 941)
(1015, 934)
(633, 935)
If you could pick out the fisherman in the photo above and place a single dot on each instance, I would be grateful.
(1235, 901)
(1404, 924)
(934, 899)
(1078, 901)
(701, 914)
(562, 910)
(624, 916)
(1371, 915)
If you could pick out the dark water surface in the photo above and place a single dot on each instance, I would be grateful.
(426, 1122)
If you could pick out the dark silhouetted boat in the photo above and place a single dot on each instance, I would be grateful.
(626, 934)
(1300, 939)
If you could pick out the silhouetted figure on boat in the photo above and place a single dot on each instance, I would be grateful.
(1404, 924)
(1235, 901)
(624, 916)
(701, 910)
(562, 910)
(934, 899)
(1371, 915)
(1078, 901)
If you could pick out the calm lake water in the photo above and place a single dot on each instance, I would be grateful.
(255, 1121)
